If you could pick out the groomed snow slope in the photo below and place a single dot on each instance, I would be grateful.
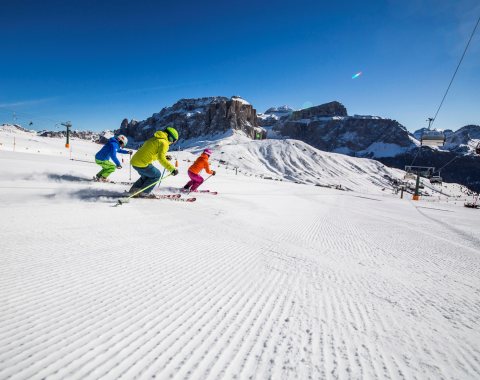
(268, 279)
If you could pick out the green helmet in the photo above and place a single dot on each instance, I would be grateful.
(172, 134)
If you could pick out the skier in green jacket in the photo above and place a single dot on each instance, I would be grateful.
(154, 149)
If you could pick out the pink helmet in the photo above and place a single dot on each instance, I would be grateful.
(208, 151)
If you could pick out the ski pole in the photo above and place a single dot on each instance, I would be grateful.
(189, 191)
(163, 173)
(141, 191)
(130, 162)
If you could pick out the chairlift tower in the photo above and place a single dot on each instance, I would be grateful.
(419, 171)
(68, 125)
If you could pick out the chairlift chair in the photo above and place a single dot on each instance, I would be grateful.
(408, 173)
(474, 203)
(422, 171)
(432, 138)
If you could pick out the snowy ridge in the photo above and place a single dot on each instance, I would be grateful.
(296, 161)
(268, 279)
(15, 129)
(240, 99)
(276, 113)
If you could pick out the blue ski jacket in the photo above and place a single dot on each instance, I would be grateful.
(110, 150)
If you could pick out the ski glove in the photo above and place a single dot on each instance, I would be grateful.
(119, 166)
(214, 172)
(174, 172)
(168, 157)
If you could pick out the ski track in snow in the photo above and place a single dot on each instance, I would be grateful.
(265, 280)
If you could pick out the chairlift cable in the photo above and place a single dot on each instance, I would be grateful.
(448, 163)
(432, 120)
(28, 116)
(416, 155)
(456, 70)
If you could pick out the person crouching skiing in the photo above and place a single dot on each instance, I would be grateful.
(109, 151)
(154, 149)
(194, 171)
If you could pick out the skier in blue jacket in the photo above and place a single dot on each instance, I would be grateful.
(109, 151)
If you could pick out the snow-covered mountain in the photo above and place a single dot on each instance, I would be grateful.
(329, 127)
(197, 117)
(100, 137)
(273, 114)
(456, 160)
(463, 140)
(296, 161)
(16, 129)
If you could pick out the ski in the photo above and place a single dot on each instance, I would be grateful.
(191, 199)
(95, 179)
(161, 196)
(172, 197)
(208, 192)
(185, 191)
(199, 191)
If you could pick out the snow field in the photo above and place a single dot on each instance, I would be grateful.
(268, 279)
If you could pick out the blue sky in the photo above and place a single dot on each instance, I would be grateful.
(97, 62)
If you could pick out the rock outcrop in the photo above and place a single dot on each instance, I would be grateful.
(197, 117)
(324, 110)
(328, 127)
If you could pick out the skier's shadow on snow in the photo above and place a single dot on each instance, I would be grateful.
(67, 178)
(96, 195)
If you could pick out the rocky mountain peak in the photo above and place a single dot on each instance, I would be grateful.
(324, 110)
(279, 110)
(328, 127)
(197, 117)
(464, 139)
